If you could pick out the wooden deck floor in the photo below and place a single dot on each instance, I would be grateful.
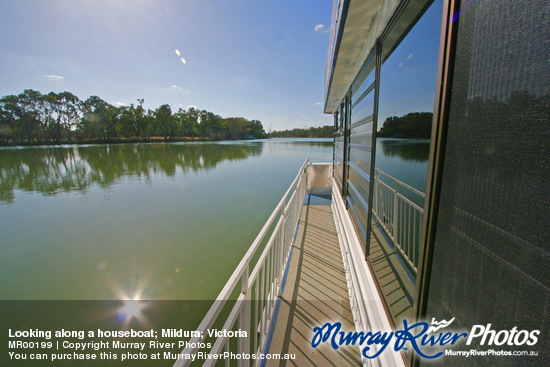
(315, 293)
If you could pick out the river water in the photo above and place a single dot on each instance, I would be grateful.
(152, 221)
(83, 228)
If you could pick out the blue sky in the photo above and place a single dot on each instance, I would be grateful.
(257, 59)
(409, 76)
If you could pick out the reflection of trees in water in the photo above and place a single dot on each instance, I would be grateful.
(52, 169)
(415, 151)
(501, 148)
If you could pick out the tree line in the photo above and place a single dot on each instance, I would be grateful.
(313, 132)
(35, 118)
(415, 125)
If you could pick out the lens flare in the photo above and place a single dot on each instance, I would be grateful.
(102, 265)
(132, 309)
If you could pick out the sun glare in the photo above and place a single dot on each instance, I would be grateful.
(132, 309)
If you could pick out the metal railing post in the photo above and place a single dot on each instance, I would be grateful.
(395, 213)
(404, 210)
(283, 217)
(283, 247)
(375, 198)
(244, 319)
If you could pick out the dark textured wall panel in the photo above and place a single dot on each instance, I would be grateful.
(492, 250)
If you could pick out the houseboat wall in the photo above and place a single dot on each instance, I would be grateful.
(484, 254)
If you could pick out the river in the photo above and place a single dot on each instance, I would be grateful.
(85, 227)
(152, 221)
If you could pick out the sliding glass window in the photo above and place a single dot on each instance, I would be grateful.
(360, 146)
(409, 56)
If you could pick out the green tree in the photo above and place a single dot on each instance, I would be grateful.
(416, 125)
(126, 124)
(210, 125)
(193, 119)
(99, 119)
(165, 125)
(31, 117)
(139, 119)
(8, 118)
(312, 132)
(68, 110)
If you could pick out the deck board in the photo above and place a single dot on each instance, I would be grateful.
(315, 293)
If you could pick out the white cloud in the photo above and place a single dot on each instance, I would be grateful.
(53, 77)
(173, 89)
(121, 104)
(241, 79)
(178, 106)
(319, 27)
(317, 103)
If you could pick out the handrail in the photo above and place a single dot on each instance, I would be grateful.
(401, 183)
(264, 281)
(399, 216)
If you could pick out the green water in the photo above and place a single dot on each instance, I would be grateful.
(404, 159)
(82, 227)
(154, 221)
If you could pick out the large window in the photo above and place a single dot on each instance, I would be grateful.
(360, 146)
(405, 114)
(383, 180)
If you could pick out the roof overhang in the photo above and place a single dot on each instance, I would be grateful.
(356, 24)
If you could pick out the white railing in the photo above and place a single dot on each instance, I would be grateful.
(259, 289)
(395, 206)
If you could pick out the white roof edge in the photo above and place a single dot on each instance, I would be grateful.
(364, 22)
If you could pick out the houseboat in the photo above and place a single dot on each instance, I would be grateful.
(352, 248)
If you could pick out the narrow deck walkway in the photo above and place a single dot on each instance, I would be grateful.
(315, 293)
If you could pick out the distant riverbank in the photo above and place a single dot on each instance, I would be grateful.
(313, 132)
(159, 139)
(130, 140)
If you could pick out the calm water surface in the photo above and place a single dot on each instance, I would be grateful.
(404, 159)
(82, 227)
(155, 221)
